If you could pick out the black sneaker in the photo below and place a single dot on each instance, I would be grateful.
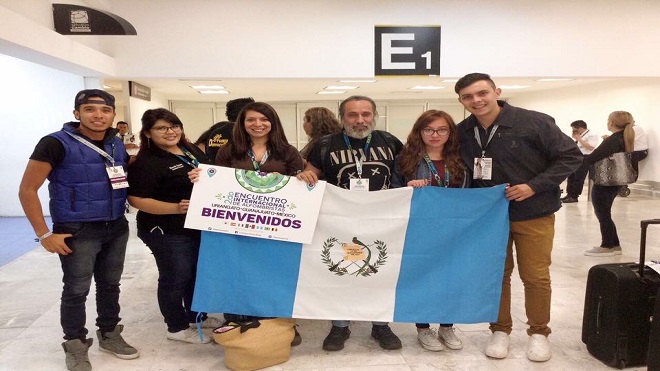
(336, 338)
(386, 338)
(297, 339)
(569, 200)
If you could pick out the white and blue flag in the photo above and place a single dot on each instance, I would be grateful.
(431, 255)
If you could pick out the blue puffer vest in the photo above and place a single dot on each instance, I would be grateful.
(80, 189)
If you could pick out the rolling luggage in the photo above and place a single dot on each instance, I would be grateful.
(654, 339)
(618, 306)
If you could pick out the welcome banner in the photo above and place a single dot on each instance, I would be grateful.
(430, 255)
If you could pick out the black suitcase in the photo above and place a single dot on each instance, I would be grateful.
(618, 305)
(654, 339)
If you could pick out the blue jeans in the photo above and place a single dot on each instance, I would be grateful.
(176, 257)
(602, 197)
(99, 249)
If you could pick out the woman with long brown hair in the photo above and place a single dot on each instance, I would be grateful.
(431, 157)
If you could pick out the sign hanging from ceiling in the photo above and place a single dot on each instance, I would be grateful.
(81, 20)
(139, 91)
(407, 50)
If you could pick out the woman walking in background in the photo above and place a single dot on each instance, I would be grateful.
(620, 123)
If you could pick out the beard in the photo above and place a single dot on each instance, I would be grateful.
(359, 134)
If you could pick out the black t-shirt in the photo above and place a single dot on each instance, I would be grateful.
(219, 138)
(338, 166)
(162, 176)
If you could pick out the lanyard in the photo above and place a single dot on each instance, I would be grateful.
(257, 165)
(95, 148)
(477, 136)
(359, 161)
(194, 163)
(435, 174)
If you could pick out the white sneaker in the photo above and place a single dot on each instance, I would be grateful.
(429, 340)
(209, 322)
(447, 335)
(600, 251)
(539, 349)
(498, 345)
(617, 250)
(188, 335)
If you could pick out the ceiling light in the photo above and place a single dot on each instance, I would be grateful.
(106, 87)
(340, 87)
(353, 81)
(450, 80)
(514, 86)
(554, 79)
(331, 92)
(213, 92)
(198, 87)
(426, 87)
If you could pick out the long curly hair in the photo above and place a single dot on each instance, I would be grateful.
(415, 148)
(323, 122)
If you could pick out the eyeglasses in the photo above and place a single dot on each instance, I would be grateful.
(441, 132)
(164, 129)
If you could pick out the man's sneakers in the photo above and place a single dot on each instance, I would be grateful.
(189, 335)
(112, 342)
(498, 345)
(447, 335)
(568, 199)
(429, 340)
(76, 354)
(386, 338)
(336, 338)
(538, 349)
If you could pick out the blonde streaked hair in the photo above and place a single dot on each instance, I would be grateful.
(623, 120)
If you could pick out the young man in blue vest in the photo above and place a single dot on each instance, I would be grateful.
(84, 163)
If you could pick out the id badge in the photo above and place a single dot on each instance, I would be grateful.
(483, 168)
(359, 184)
(117, 177)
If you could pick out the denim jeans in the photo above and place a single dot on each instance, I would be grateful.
(533, 240)
(99, 249)
(176, 258)
(602, 197)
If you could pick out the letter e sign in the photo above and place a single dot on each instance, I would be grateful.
(405, 51)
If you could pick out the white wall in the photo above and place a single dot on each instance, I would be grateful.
(594, 103)
(35, 101)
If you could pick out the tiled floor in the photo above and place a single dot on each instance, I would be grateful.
(30, 334)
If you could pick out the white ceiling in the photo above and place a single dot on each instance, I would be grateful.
(302, 90)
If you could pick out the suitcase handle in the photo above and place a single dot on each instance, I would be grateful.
(644, 224)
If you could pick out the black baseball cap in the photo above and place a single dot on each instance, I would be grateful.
(83, 97)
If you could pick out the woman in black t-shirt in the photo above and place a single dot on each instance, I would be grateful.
(160, 189)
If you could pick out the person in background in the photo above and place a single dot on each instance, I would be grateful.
(528, 152)
(260, 144)
(586, 141)
(431, 157)
(363, 161)
(220, 133)
(85, 165)
(317, 123)
(129, 140)
(621, 124)
(161, 191)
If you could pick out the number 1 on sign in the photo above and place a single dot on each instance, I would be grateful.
(427, 56)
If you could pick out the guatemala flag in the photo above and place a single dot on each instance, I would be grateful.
(428, 255)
